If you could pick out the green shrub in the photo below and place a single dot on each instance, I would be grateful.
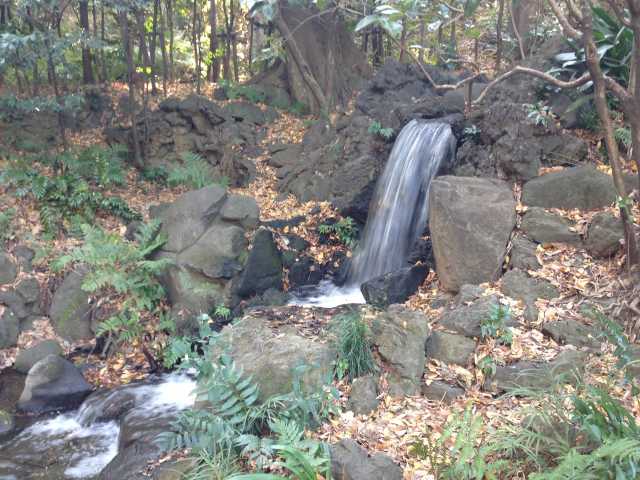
(354, 346)
(345, 230)
(101, 165)
(376, 129)
(123, 269)
(495, 325)
(194, 173)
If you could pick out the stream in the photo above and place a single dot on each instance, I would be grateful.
(79, 444)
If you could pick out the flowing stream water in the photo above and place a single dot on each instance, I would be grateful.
(79, 444)
(398, 212)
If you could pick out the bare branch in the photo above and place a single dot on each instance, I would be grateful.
(568, 29)
(574, 12)
(516, 32)
(533, 73)
(619, 13)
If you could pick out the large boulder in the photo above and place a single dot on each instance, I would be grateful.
(584, 188)
(263, 269)
(604, 235)
(8, 269)
(547, 227)
(400, 335)
(53, 383)
(70, 310)
(363, 397)
(394, 287)
(523, 254)
(273, 359)
(349, 461)
(29, 357)
(206, 243)
(572, 332)
(470, 220)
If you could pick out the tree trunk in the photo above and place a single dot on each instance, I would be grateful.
(214, 68)
(422, 40)
(163, 49)
(128, 51)
(143, 49)
(103, 60)
(304, 69)
(152, 45)
(499, 35)
(171, 38)
(194, 42)
(403, 39)
(600, 100)
(87, 69)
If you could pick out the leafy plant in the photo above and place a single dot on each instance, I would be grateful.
(155, 174)
(375, 128)
(219, 466)
(102, 165)
(539, 113)
(354, 346)
(119, 268)
(495, 325)
(195, 173)
(345, 230)
(458, 452)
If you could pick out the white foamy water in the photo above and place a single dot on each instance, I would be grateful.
(328, 295)
(81, 441)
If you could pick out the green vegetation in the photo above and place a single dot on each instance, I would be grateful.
(495, 325)
(345, 230)
(121, 269)
(376, 129)
(353, 345)
(6, 224)
(194, 173)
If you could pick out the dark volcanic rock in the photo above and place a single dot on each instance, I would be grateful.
(9, 328)
(450, 348)
(467, 319)
(263, 269)
(572, 332)
(8, 269)
(604, 235)
(546, 227)
(394, 287)
(29, 357)
(441, 391)
(70, 310)
(363, 398)
(523, 254)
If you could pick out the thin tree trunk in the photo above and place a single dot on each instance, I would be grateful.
(403, 39)
(194, 43)
(600, 100)
(214, 68)
(251, 26)
(128, 51)
(171, 39)
(152, 46)
(499, 35)
(143, 49)
(163, 49)
(103, 37)
(422, 39)
(87, 68)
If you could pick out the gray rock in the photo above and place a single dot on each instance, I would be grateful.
(185, 220)
(604, 235)
(400, 335)
(470, 220)
(272, 357)
(70, 309)
(9, 328)
(546, 227)
(520, 286)
(297, 243)
(29, 289)
(584, 188)
(216, 253)
(571, 332)
(8, 269)
(468, 293)
(467, 319)
(246, 112)
(29, 357)
(349, 461)
(15, 302)
(440, 391)
(7, 423)
(53, 383)
(263, 269)
(25, 256)
(537, 376)
(450, 348)
(363, 398)
(523, 254)
(241, 209)
(394, 287)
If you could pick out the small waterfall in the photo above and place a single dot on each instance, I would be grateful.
(399, 208)
(398, 212)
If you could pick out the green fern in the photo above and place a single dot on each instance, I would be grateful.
(195, 173)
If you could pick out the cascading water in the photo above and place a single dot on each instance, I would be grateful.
(398, 211)
(78, 445)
